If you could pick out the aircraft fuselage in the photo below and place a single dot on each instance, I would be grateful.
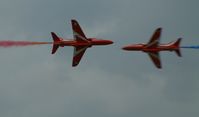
(144, 48)
(89, 42)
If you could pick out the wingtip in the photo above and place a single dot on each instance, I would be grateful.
(73, 20)
(52, 33)
(74, 65)
(159, 29)
(159, 66)
(52, 52)
(180, 38)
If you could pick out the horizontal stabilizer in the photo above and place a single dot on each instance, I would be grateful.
(177, 44)
(55, 39)
(178, 52)
(55, 47)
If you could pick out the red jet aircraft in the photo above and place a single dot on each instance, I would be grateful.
(80, 42)
(153, 47)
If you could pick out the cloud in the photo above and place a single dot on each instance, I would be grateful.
(108, 81)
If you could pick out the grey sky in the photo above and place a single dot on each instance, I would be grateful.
(108, 82)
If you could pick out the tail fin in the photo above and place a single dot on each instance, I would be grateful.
(177, 44)
(55, 39)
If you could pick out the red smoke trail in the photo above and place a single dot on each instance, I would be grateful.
(6, 44)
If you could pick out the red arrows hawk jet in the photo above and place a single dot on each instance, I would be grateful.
(80, 42)
(153, 47)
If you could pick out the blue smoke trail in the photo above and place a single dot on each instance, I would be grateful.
(190, 47)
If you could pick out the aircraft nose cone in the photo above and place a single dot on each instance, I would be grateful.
(110, 42)
(107, 42)
(125, 48)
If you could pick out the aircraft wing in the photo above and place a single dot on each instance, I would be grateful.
(155, 57)
(78, 53)
(77, 32)
(155, 39)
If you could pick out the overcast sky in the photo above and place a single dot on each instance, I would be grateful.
(108, 82)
